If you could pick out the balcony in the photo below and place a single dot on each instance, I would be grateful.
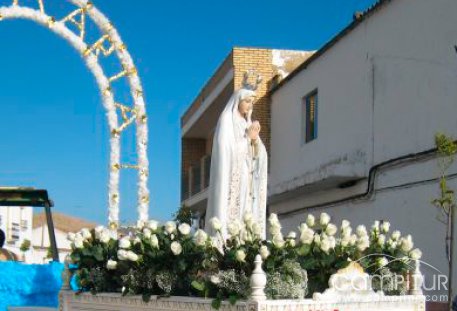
(195, 183)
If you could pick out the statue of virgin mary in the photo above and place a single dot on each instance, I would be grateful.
(238, 177)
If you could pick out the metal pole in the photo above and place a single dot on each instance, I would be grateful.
(52, 235)
(452, 211)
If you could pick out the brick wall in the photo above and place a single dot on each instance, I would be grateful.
(260, 60)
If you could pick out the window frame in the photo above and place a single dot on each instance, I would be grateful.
(306, 136)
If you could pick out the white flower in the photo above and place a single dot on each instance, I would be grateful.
(345, 241)
(363, 243)
(353, 240)
(345, 224)
(375, 226)
(132, 256)
(310, 221)
(170, 227)
(176, 248)
(140, 224)
(71, 236)
(256, 229)
(273, 219)
(105, 236)
(234, 228)
(218, 244)
(292, 235)
(154, 241)
(275, 229)
(317, 239)
(111, 264)
(215, 279)
(216, 223)
(382, 262)
(415, 254)
(122, 254)
(153, 225)
(278, 240)
(396, 235)
(307, 236)
(303, 227)
(124, 242)
(264, 252)
(184, 229)
(385, 227)
(147, 233)
(79, 242)
(381, 240)
(331, 229)
(407, 244)
(361, 231)
(98, 229)
(325, 245)
(240, 255)
(200, 237)
(247, 217)
(86, 233)
(137, 240)
(332, 242)
(324, 219)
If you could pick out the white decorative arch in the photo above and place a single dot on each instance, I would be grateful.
(109, 42)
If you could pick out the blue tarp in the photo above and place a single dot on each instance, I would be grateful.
(29, 285)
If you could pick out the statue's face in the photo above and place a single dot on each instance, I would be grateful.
(245, 105)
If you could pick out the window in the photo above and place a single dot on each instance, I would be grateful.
(310, 118)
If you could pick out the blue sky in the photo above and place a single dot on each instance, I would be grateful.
(53, 132)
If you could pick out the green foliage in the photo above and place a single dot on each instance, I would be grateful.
(183, 215)
(25, 246)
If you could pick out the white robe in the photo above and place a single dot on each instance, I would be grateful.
(238, 178)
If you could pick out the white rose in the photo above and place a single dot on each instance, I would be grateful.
(153, 225)
(240, 255)
(310, 221)
(111, 264)
(105, 236)
(257, 229)
(415, 254)
(176, 248)
(324, 219)
(140, 224)
(215, 279)
(264, 252)
(382, 262)
(234, 228)
(317, 239)
(79, 243)
(137, 240)
(98, 229)
(216, 223)
(407, 244)
(396, 235)
(292, 235)
(200, 237)
(381, 240)
(345, 241)
(273, 218)
(332, 242)
(71, 236)
(275, 229)
(385, 227)
(363, 243)
(86, 233)
(124, 242)
(325, 245)
(346, 232)
(331, 229)
(154, 241)
(345, 224)
(353, 240)
(122, 254)
(307, 236)
(147, 233)
(303, 227)
(278, 240)
(247, 217)
(184, 229)
(375, 226)
(361, 230)
(170, 227)
(132, 256)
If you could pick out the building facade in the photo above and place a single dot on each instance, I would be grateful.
(16, 223)
(352, 129)
(199, 122)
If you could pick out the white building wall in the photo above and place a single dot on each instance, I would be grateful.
(16, 221)
(385, 89)
(41, 244)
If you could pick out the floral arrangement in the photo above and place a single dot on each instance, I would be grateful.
(175, 259)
